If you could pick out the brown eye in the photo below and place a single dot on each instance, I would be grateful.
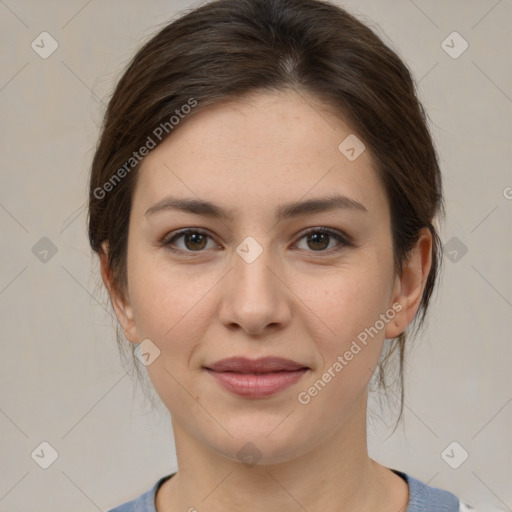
(193, 241)
(321, 240)
(318, 241)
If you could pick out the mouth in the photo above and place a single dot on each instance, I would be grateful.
(257, 378)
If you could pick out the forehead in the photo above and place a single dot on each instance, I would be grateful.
(263, 148)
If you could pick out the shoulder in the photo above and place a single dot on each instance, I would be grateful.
(145, 502)
(425, 498)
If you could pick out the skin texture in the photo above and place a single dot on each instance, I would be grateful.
(299, 299)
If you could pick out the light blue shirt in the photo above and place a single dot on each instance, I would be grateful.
(422, 498)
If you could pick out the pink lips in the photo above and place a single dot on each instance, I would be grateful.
(256, 378)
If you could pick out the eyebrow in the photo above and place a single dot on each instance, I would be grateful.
(285, 211)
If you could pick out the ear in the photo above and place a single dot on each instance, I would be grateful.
(120, 301)
(409, 286)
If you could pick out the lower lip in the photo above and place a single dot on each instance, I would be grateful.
(256, 385)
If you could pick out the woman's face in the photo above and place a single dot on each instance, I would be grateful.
(254, 283)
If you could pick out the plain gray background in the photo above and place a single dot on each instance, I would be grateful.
(62, 381)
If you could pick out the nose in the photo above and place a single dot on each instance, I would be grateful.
(255, 296)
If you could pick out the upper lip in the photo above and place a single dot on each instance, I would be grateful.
(261, 365)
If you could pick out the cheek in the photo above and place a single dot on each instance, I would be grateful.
(169, 307)
(173, 311)
(348, 305)
(348, 343)
(350, 299)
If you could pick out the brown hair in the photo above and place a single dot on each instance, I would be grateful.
(227, 48)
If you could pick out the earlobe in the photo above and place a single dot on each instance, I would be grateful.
(119, 301)
(409, 286)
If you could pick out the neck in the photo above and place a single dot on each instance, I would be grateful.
(334, 475)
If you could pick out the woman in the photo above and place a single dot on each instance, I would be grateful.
(263, 200)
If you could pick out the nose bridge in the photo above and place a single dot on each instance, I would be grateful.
(255, 298)
(251, 262)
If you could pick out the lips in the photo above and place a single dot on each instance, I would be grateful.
(256, 378)
(263, 365)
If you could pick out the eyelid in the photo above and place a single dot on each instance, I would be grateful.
(330, 231)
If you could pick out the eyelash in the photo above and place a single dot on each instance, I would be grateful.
(343, 241)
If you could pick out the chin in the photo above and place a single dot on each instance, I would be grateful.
(259, 444)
